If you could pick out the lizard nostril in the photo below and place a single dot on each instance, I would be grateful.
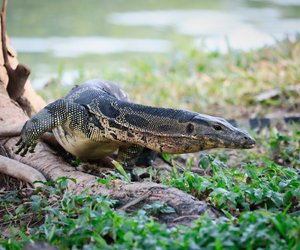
(249, 140)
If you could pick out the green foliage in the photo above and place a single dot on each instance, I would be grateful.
(285, 149)
(124, 176)
(259, 229)
(270, 186)
(91, 222)
(158, 207)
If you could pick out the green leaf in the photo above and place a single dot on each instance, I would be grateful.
(122, 171)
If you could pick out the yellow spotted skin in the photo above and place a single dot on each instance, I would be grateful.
(97, 119)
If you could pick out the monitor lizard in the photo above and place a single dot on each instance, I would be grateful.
(96, 119)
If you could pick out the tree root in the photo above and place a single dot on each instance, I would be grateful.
(21, 171)
(11, 131)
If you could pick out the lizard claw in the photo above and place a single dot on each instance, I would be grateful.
(19, 142)
(21, 149)
(32, 147)
(24, 148)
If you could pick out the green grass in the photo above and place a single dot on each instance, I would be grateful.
(208, 82)
(258, 190)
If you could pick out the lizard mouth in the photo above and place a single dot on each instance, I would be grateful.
(248, 146)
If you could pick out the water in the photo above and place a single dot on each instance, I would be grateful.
(243, 28)
(79, 46)
(74, 33)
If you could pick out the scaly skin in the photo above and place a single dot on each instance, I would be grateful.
(96, 119)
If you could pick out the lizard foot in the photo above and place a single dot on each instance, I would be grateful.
(25, 146)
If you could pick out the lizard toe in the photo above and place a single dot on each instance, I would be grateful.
(31, 148)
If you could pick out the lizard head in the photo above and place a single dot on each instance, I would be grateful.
(191, 132)
(214, 132)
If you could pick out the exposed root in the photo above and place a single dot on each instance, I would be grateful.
(135, 201)
(21, 171)
(11, 131)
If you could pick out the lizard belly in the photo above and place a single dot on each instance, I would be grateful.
(79, 145)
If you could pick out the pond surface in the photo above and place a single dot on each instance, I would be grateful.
(70, 34)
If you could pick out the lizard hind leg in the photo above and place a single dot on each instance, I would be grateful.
(128, 155)
(146, 157)
(136, 155)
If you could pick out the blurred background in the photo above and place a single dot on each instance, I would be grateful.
(54, 36)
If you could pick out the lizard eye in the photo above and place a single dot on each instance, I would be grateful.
(190, 128)
(217, 127)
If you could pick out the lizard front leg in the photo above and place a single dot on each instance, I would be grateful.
(47, 119)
